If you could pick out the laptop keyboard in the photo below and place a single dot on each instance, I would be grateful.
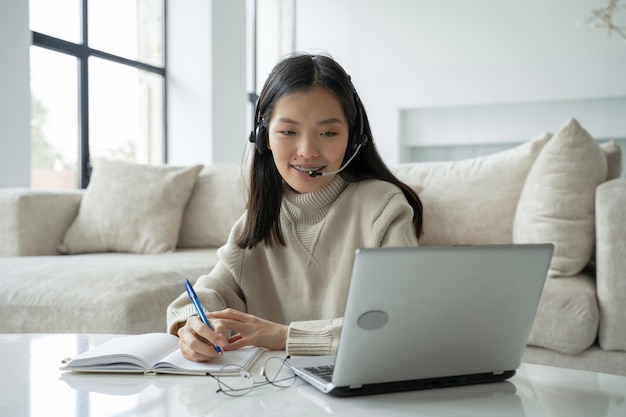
(323, 372)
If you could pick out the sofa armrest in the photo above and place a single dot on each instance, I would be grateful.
(611, 263)
(32, 222)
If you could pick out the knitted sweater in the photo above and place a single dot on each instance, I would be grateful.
(305, 283)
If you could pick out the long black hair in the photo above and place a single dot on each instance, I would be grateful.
(296, 73)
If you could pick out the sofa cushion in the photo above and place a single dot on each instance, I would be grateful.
(33, 222)
(611, 261)
(567, 317)
(130, 207)
(613, 154)
(96, 293)
(217, 201)
(472, 201)
(557, 202)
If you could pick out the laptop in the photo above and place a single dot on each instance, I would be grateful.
(431, 317)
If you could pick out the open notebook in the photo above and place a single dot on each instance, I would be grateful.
(153, 353)
(432, 317)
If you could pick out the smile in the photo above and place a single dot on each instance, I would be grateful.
(308, 169)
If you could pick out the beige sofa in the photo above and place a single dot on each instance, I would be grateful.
(111, 258)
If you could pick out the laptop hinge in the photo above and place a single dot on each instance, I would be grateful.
(356, 386)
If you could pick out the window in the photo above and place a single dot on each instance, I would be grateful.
(97, 86)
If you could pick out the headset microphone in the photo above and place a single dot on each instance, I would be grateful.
(314, 174)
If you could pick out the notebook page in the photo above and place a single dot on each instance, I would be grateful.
(176, 363)
(135, 350)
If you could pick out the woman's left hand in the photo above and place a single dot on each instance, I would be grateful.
(251, 330)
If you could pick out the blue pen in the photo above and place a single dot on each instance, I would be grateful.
(194, 299)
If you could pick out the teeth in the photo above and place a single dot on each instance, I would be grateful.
(304, 169)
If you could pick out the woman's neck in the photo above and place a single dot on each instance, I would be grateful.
(312, 207)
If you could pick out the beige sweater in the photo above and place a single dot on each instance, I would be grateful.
(305, 283)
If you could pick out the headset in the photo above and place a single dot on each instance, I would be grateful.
(258, 135)
(357, 140)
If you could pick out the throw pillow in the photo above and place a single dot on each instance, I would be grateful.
(557, 202)
(472, 201)
(567, 317)
(216, 203)
(130, 207)
(613, 154)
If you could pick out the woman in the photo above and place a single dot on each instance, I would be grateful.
(319, 190)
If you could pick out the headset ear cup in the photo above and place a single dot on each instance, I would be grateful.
(363, 140)
(354, 141)
(261, 138)
(359, 138)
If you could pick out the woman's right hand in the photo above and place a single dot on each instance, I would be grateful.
(195, 339)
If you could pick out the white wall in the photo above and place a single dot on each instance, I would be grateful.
(230, 95)
(14, 95)
(206, 61)
(403, 55)
(428, 55)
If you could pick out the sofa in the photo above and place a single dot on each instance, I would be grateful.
(109, 259)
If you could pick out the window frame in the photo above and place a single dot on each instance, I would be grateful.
(82, 51)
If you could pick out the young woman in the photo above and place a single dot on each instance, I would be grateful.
(319, 190)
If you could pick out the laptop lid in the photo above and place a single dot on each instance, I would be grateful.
(424, 317)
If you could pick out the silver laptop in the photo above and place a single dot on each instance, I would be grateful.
(430, 317)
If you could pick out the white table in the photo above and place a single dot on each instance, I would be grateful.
(32, 385)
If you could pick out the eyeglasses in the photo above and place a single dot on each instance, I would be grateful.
(276, 372)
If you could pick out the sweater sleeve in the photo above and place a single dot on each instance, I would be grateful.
(216, 291)
(317, 337)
